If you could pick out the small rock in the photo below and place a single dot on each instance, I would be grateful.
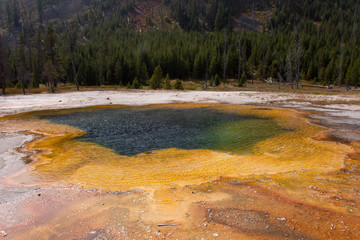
(3, 233)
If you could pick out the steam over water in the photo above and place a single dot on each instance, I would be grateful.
(130, 131)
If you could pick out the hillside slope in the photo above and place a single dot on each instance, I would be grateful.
(140, 14)
(118, 41)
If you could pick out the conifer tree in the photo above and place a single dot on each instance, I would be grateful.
(136, 84)
(50, 74)
(50, 68)
(167, 82)
(39, 59)
(22, 68)
(157, 78)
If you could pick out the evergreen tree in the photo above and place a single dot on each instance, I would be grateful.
(211, 13)
(215, 66)
(39, 59)
(22, 68)
(217, 80)
(242, 81)
(51, 55)
(167, 82)
(157, 78)
(50, 44)
(141, 71)
(118, 73)
(50, 74)
(136, 84)
(102, 58)
(330, 73)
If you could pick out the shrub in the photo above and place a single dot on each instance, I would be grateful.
(217, 80)
(156, 79)
(178, 85)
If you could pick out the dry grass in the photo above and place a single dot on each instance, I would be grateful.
(230, 85)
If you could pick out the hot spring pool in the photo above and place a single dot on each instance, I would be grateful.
(150, 147)
(130, 131)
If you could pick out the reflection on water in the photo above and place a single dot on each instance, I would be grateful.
(133, 131)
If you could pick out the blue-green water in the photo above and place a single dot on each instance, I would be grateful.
(130, 131)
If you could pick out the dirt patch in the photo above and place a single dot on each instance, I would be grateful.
(255, 223)
(266, 213)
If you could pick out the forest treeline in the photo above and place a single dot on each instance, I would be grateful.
(311, 40)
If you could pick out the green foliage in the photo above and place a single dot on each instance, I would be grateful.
(50, 74)
(216, 80)
(242, 82)
(50, 44)
(215, 65)
(178, 85)
(136, 84)
(167, 82)
(157, 78)
(128, 85)
(110, 51)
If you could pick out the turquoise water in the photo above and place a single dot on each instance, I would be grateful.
(130, 131)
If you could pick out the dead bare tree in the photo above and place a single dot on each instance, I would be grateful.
(297, 62)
